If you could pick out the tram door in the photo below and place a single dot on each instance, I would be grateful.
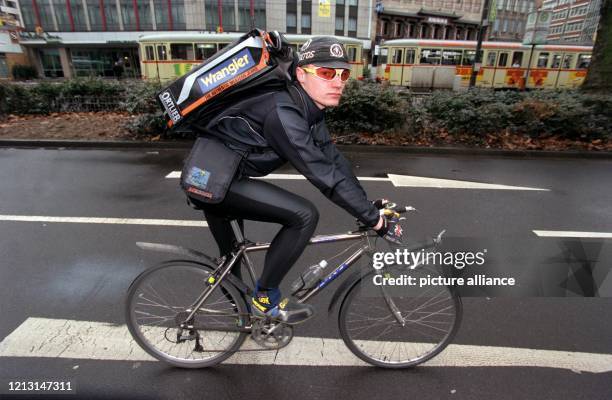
(568, 78)
(499, 78)
(400, 63)
(396, 65)
(488, 69)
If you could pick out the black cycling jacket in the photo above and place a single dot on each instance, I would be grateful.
(287, 126)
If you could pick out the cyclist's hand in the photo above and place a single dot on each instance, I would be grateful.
(391, 230)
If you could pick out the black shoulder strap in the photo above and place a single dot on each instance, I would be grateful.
(297, 97)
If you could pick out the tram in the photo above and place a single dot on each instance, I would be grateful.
(169, 56)
(445, 64)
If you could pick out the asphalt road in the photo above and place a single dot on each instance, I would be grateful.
(80, 271)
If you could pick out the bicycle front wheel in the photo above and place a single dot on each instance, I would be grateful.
(161, 298)
(399, 326)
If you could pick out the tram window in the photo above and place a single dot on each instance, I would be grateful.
(205, 50)
(161, 52)
(543, 60)
(149, 53)
(491, 58)
(182, 51)
(584, 60)
(430, 56)
(397, 56)
(503, 60)
(222, 45)
(383, 56)
(451, 57)
(556, 61)
(410, 53)
(352, 54)
(568, 61)
(517, 59)
(468, 57)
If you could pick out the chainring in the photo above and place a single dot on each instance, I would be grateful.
(271, 335)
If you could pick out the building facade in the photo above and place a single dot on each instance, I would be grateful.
(66, 38)
(10, 24)
(573, 21)
(428, 19)
(510, 20)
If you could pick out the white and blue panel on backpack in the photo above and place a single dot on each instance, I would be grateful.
(241, 62)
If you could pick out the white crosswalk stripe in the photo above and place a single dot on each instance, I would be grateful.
(61, 338)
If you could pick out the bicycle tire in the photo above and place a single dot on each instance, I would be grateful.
(188, 277)
(408, 338)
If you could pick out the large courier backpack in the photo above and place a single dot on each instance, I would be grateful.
(257, 62)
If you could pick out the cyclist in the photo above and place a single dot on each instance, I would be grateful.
(288, 126)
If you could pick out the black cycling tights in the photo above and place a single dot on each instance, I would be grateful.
(258, 200)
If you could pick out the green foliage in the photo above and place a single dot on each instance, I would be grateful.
(90, 87)
(140, 97)
(368, 107)
(365, 107)
(23, 72)
(565, 114)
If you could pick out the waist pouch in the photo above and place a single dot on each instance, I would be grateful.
(209, 170)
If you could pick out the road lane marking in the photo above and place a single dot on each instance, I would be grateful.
(423, 182)
(404, 181)
(86, 220)
(61, 338)
(574, 234)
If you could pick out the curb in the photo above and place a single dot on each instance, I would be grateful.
(186, 144)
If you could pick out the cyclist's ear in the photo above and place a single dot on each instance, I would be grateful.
(300, 74)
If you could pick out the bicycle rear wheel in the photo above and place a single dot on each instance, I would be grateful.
(160, 299)
(399, 326)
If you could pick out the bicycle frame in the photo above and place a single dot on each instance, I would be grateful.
(243, 248)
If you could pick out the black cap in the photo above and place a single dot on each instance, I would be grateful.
(323, 51)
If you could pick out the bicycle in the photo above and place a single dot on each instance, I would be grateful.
(193, 313)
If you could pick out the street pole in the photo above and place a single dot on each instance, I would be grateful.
(484, 23)
(528, 68)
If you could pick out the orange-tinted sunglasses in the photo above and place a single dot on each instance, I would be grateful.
(329, 74)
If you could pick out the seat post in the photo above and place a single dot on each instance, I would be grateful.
(237, 232)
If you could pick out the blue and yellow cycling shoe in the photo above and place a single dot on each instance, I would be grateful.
(268, 303)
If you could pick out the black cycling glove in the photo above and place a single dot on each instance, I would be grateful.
(391, 230)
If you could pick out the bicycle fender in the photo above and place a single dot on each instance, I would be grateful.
(172, 249)
(348, 283)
